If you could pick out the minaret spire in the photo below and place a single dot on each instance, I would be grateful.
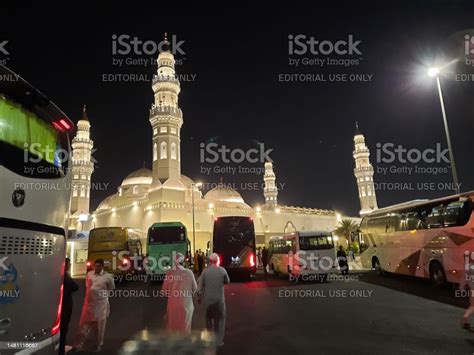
(364, 173)
(270, 190)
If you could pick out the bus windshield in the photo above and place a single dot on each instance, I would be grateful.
(166, 235)
(316, 242)
(234, 231)
(107, 239)
(30, 145)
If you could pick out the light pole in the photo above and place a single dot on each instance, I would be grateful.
(434, 73)
(193, 185)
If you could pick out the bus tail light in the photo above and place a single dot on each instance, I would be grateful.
(125, 262)
(57, 322)
(88, 264)
(252, 260)
(218, 260)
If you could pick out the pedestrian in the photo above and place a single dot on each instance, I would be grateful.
(195, 262)
(96, 308)
(200, 262)
(265, 260)
(69, 286)
(259, 257)
(179, 287)
(342, 260)
(207, 256)
(351, 253)
(211, 290)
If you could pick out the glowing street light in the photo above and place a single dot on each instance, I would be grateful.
(434, 73)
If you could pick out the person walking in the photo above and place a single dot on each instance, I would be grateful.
(211, 290)
(179, 287)
(200, 262)
(265, 260)
(259, 257)
(69, 286)
(342, 260)
(96, 308)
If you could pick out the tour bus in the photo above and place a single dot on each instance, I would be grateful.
(164, 240)
(233, 240)
(122, 250)
(428, 238)
(308, 255)
(34, 185)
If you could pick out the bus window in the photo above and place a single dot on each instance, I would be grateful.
(166, 235)
(316, 242)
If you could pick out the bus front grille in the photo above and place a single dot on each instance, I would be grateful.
(10, 245)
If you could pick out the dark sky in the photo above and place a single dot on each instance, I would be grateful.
(237, 99)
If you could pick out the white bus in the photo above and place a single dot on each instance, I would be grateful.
(430, 239)
(35, 190)
(308, 255)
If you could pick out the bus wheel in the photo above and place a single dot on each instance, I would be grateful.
(437, 274)
(376, 266)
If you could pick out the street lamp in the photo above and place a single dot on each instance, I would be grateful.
(434, 73)
(193, 185)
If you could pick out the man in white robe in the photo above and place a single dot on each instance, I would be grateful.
(179, 287)
(96, 308)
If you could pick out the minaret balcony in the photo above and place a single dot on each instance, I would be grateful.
(165, 78)
(161, 110)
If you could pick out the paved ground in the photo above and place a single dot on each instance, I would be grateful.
(368, 315)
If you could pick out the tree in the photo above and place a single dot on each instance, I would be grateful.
(345, 229)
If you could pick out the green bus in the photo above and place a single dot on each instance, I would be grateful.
(164, 240)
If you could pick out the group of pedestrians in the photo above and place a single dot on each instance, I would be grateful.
(200, 261)
(262, 259)
(180, 287)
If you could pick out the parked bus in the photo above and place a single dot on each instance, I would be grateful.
(233, 240)
(34, 151)
(309, 255)
(429, 239)
(118, 247)
(164, 240)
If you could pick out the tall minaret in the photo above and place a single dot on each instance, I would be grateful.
(82, 166)
(364, 173)
(166, 119)
(270, 191)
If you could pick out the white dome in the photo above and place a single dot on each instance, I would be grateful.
(224, 194)
(105, 204)
(141, 176)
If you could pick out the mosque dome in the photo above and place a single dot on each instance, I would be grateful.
(141, 176)
(105, 204)
(225, 194)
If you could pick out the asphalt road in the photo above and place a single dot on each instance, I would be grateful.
(366, 315)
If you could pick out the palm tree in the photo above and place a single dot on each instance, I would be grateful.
(345, 229)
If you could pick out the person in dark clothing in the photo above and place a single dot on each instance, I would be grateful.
(69, 287)
(342, 260)
(265, 259)
(200, 262)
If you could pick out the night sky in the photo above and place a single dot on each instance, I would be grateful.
(237, 100)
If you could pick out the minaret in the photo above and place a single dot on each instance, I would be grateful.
(166, 119)
(364, 173)
(82, 166)
(270, 191)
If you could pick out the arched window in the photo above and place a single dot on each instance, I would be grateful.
(155, 152)
(83, 191)
(74, 192)
(163, 150)
(173, 151)
(135, 190)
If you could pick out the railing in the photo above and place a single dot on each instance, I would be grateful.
(167, 110)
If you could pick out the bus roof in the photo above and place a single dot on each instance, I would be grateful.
(416, 203)
(167, 224)
(21, 91)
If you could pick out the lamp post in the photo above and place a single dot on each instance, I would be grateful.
(434, 73)
(193, 185)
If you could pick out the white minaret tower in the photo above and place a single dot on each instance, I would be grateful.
(82, 166)
(364, 173)
(166, 119)
(270, 191)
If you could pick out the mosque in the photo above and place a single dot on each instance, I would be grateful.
(164, 194)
